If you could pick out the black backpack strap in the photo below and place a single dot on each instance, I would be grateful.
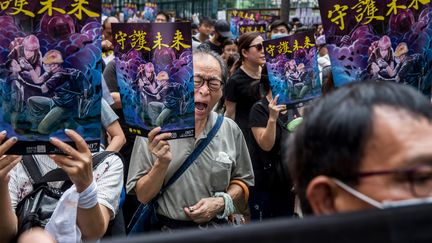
(32, 168)
(54, 175)
(57, 174)
(101, 156)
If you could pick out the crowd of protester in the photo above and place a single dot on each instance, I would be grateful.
(361, 146)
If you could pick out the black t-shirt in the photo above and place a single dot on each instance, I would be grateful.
(268, 160)
(242, 90)
(207, 44)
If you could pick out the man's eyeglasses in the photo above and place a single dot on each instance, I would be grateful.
(259, 46)
(213, 84)
(419, 178)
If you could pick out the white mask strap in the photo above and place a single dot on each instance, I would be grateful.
(358, 194)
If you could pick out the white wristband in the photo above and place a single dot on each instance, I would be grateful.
(88, 198)
(229, 205)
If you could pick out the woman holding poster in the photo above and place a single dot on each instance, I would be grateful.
(242, 89)
(269, 198)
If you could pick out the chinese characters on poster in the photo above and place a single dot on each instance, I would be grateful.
(261, 28)
(155, 75)
(381, 40)
(245, 21)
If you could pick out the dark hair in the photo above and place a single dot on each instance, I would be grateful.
(228, 43)
(205, 19)
(231, 60)
(164, 14)
(332, 137)
(244, 43)
(278, 23)
(327, 85)
(302, 29)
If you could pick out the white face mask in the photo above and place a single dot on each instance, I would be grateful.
(278, 35)
(384, 204)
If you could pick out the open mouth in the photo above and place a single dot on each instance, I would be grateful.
(200, 106)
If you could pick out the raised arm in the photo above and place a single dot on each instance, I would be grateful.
(150, 184)
(92, 221)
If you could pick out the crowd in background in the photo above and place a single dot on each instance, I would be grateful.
(247, 99)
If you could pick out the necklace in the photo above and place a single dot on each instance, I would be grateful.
(256, 76)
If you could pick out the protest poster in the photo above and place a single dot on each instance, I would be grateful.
(50, 73)
(107, 9)
(129, 10)
(155, 76)
(244, 28)
(245, 21)
(150, 11)
(269, 18)
(245, 18)
(387, 40)
(292, 68)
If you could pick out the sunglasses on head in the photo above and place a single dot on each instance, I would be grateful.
(259, 46)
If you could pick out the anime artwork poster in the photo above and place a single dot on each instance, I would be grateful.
(293, 68)
(150, 11)
(269, 18)
(381, 40)
(155, 75)
(50, 73)
(246, 19)
(129, 10)
(107, 9)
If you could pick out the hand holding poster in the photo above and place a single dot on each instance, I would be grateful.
(155, 75)
(292, 67)
(50, 73)
(381, 40)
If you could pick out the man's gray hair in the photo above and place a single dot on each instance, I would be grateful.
(205, 51)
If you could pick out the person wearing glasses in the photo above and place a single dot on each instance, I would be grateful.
(366, 145)
(242, 89)
(217, 182)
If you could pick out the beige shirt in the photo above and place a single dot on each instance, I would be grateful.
(225, 158)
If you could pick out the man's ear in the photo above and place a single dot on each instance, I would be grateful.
(321, 194)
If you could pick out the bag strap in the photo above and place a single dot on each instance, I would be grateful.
(194, 155)
(57, 174)
(32, 168)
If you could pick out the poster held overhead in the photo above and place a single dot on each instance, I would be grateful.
(50, 73)
(293, 68)
(155, 75)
